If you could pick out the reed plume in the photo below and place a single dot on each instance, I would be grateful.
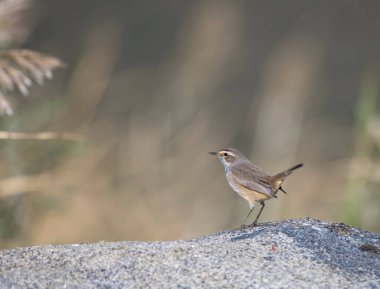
(19, 68)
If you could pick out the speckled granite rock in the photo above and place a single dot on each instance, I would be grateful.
(302, 253)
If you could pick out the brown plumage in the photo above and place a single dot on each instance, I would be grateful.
(249, 181)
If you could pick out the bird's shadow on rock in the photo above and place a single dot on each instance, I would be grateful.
(249, 232)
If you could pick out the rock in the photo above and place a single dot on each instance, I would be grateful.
(302, 253)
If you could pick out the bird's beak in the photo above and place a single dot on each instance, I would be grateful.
(213, 153)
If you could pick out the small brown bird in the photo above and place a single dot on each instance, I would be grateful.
(250, 181)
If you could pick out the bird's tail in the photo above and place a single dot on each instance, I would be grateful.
(282, 176)
(278, 179)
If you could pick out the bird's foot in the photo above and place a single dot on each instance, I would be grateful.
(244, 226)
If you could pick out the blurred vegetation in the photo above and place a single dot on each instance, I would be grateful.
(362, 198)
(115, 147)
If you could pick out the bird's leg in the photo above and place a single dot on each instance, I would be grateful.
(258, 215)
(250, 211)
(281, 189)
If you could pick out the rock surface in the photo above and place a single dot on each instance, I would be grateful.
(301, 253)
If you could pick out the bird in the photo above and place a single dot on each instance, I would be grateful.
(249, 181)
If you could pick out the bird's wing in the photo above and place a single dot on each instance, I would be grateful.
(252, 178)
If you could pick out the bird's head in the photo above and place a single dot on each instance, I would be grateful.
(228, 156)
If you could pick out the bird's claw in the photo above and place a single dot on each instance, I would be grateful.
(244, 226)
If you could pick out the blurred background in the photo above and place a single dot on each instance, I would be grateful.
(150, 87)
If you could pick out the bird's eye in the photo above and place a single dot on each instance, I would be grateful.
(226, 154)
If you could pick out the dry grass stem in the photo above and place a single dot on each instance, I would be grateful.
(41, 136)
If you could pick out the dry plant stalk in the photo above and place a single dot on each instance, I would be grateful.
(47, 135)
